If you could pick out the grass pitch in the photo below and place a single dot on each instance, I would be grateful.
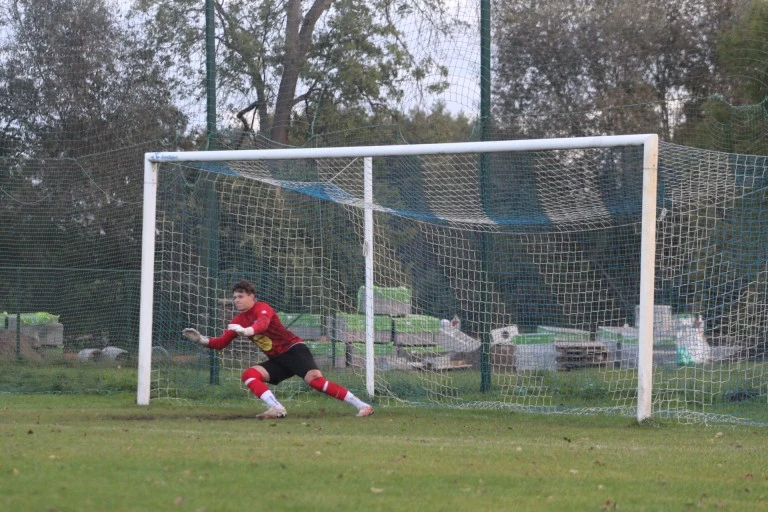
(81, 453)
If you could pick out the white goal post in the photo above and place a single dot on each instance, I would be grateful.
(368, 154)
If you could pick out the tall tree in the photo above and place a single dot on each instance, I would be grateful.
(743, 53)
(77, 78)
(82, 100)
(577, 56)
(81, 96)
(740, 73)
(280, 55)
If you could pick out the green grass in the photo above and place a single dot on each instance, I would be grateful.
(715, 393)
(76, 453)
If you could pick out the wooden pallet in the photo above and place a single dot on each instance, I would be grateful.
(452, 365)
(443, 363)
(580, 354)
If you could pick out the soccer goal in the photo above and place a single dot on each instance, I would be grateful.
(534, 275)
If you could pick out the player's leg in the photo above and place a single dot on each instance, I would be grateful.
(316, 381)
(254, 378)
(303, 363)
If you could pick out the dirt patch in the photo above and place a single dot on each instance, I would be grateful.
(207, 416)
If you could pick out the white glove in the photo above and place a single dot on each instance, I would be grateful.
(242, 331)
(193, 335)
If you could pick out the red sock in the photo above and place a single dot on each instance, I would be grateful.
(329, 388)
(253, 380)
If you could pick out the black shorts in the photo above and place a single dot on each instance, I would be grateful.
(297, 361)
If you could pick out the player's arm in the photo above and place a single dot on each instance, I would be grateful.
(215, 343)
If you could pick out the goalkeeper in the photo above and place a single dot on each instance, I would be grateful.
(287, 354)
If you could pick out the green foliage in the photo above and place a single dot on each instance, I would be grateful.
(79, 82)
(742, 51)
(575, 67)
(437, 125)
(348, 53)
(84, 99)
(67, 377)
(721, 126)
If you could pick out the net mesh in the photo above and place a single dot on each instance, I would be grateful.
(89, 87)
(519, 292)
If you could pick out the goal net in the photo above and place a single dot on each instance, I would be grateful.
(540, 275)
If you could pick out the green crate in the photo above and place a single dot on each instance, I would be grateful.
(397, 293)
(424, 350)
(564, 333)
(351, 328)
(416, 324)
(40, 318)
(627, 335)
(395, 301)
(534, 338)
(354, 322)
(379, 349)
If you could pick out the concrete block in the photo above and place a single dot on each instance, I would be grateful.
(44, 335)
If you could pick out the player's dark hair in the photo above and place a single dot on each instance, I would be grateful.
(245, 287)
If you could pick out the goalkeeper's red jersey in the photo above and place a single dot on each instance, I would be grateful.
(269, 334)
